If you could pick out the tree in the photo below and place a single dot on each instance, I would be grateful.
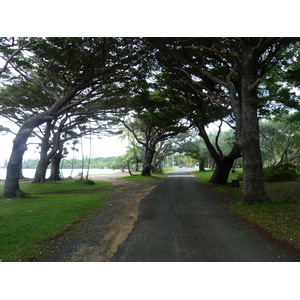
(10, 47)
(237, 66)
(153, 121)
(280, 139)
(73, 72)
(194, 147)
(202, 110)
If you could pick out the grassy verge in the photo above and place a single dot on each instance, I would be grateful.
(281, 219)
(138, 177)
(26, 222)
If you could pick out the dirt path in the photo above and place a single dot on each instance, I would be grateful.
(97, 237)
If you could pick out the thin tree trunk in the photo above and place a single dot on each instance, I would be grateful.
(40, 173)
(89, 160)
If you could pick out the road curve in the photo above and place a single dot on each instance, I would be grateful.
(180, 220)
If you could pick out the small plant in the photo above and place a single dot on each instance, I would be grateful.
(88, 181)
(280, 172)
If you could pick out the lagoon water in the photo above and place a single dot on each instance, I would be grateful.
(29, 173)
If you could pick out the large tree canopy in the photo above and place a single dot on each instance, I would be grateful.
(153, 120)
(71, 72)
(197, 79)
(237, 66)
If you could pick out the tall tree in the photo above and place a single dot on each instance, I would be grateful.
(73, 72)
(237, 66)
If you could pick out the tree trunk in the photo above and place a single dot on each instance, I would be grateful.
(223, 164)
(55, 164)
(146, 170)
(40, 173)
(253, 176)
(41, 170)
(154, 165)
(201, 164)
(12, 188)
(222, 171)
(21, 172)
(147, 165)
(136, 162)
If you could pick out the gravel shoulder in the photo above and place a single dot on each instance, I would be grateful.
(97, 237)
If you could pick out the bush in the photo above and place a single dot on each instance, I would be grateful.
(281, 172)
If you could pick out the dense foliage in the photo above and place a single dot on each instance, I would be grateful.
(61, 89)
(281, 172)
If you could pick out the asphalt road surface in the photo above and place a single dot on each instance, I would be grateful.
(181, 221)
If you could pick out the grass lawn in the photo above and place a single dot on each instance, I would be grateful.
(26, 222)
(281, 219)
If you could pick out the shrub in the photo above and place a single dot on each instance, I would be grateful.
(280, 172)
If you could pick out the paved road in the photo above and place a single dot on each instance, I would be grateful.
(181, 220)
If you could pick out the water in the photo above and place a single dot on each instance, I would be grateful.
(29, 173)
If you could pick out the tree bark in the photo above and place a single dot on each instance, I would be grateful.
(12, 188)
(40, 173)
(248, 129)
(55, 164)
(223, 163)
(222, 170)
(147, 165)
(201, 164)
(41, 170)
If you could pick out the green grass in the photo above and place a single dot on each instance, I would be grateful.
(26, 222)
(138, 177)
(281, 219)
(59, 186)
(205, 176)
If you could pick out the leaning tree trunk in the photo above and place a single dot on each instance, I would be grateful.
(223, 163)
(222, 170)
(12, 188)
(40, 172)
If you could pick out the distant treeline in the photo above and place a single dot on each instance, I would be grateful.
(95, 163)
